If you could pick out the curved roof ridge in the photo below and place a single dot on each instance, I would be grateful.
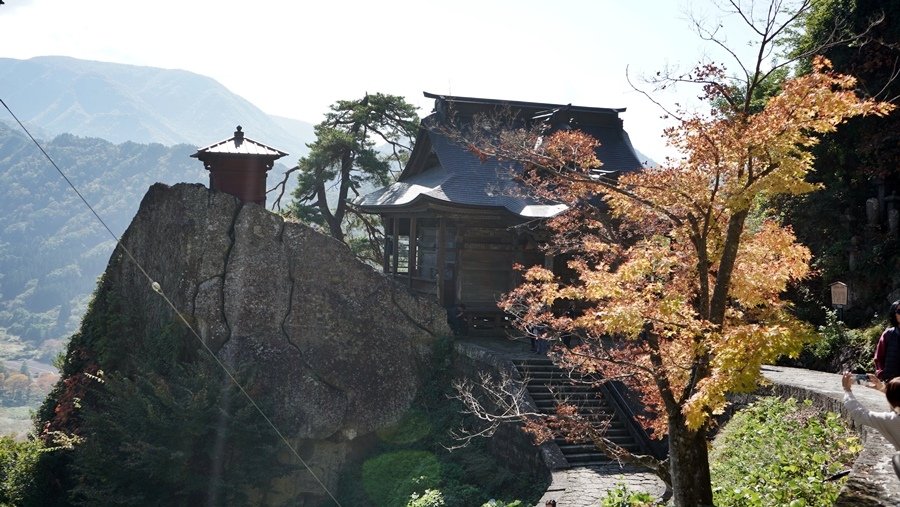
(522, 104)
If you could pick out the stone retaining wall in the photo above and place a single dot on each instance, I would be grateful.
(510, 443)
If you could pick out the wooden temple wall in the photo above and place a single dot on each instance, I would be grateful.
(458, 260)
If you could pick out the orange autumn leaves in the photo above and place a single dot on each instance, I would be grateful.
(645, 305)
(743, 155)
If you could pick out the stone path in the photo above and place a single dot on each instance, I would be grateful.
(585, 486)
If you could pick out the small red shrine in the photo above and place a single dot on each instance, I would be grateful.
(238, 166)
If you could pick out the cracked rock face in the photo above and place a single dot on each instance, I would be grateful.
(340, 348)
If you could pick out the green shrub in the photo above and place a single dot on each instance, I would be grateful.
(413, 427)
(501, 503)
(777, 452)
(841, 348)
(431, 498)
(390, 479)
(18, 474)
(621, 496)
(462, 495)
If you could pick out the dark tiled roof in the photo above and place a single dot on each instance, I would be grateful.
(461, 178)
(456, 175)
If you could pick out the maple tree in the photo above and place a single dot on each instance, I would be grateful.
(679, 294)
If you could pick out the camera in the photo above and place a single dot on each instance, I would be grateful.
(861, 378)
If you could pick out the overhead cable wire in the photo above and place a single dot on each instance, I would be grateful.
(158, 289)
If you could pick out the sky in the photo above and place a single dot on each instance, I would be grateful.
(295, 58)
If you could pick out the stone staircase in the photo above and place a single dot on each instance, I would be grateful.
(547, 384)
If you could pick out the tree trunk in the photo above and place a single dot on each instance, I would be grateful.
(726, 267)
(334, 226)
(688, 464)
(333, 222)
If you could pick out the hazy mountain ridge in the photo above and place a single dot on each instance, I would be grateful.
(51, 247)
(119, 102)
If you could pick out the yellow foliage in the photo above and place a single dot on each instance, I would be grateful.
(678, 344)
(767, 260)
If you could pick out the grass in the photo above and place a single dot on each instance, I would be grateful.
(781, 452)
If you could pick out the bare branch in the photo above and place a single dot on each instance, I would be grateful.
(649, 97)
(282, 185)
(494, 402)
(711, 36)
(895, 72)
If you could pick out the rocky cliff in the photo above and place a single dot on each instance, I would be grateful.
(337, 350)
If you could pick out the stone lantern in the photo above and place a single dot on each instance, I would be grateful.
(238, 166)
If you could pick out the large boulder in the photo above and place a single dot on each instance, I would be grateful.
(340, 348)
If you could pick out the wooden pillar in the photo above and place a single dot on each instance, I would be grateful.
(386, 257)
(396, 253)
(441, 257)
(411, 265)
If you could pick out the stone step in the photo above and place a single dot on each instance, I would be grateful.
(536, 364)
(575, 449)
(564, 392)
(612, 433)
(551, 375)
(548, 385)
(603, 461)
(607, 417)
(543, 385)
(548, 371)
(584, 459)
(586, 386)
(554, 394)
(569, 400)
(548, 406)
(562, 395)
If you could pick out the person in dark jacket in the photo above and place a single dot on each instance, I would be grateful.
(457, 320)
(887, 352)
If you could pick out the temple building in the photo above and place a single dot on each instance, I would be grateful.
(457, 223)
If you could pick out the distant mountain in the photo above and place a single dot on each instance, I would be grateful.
(119, 103)
(51, 248)
(303, 131)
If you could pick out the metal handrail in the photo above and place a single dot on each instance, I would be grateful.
(611, 390)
